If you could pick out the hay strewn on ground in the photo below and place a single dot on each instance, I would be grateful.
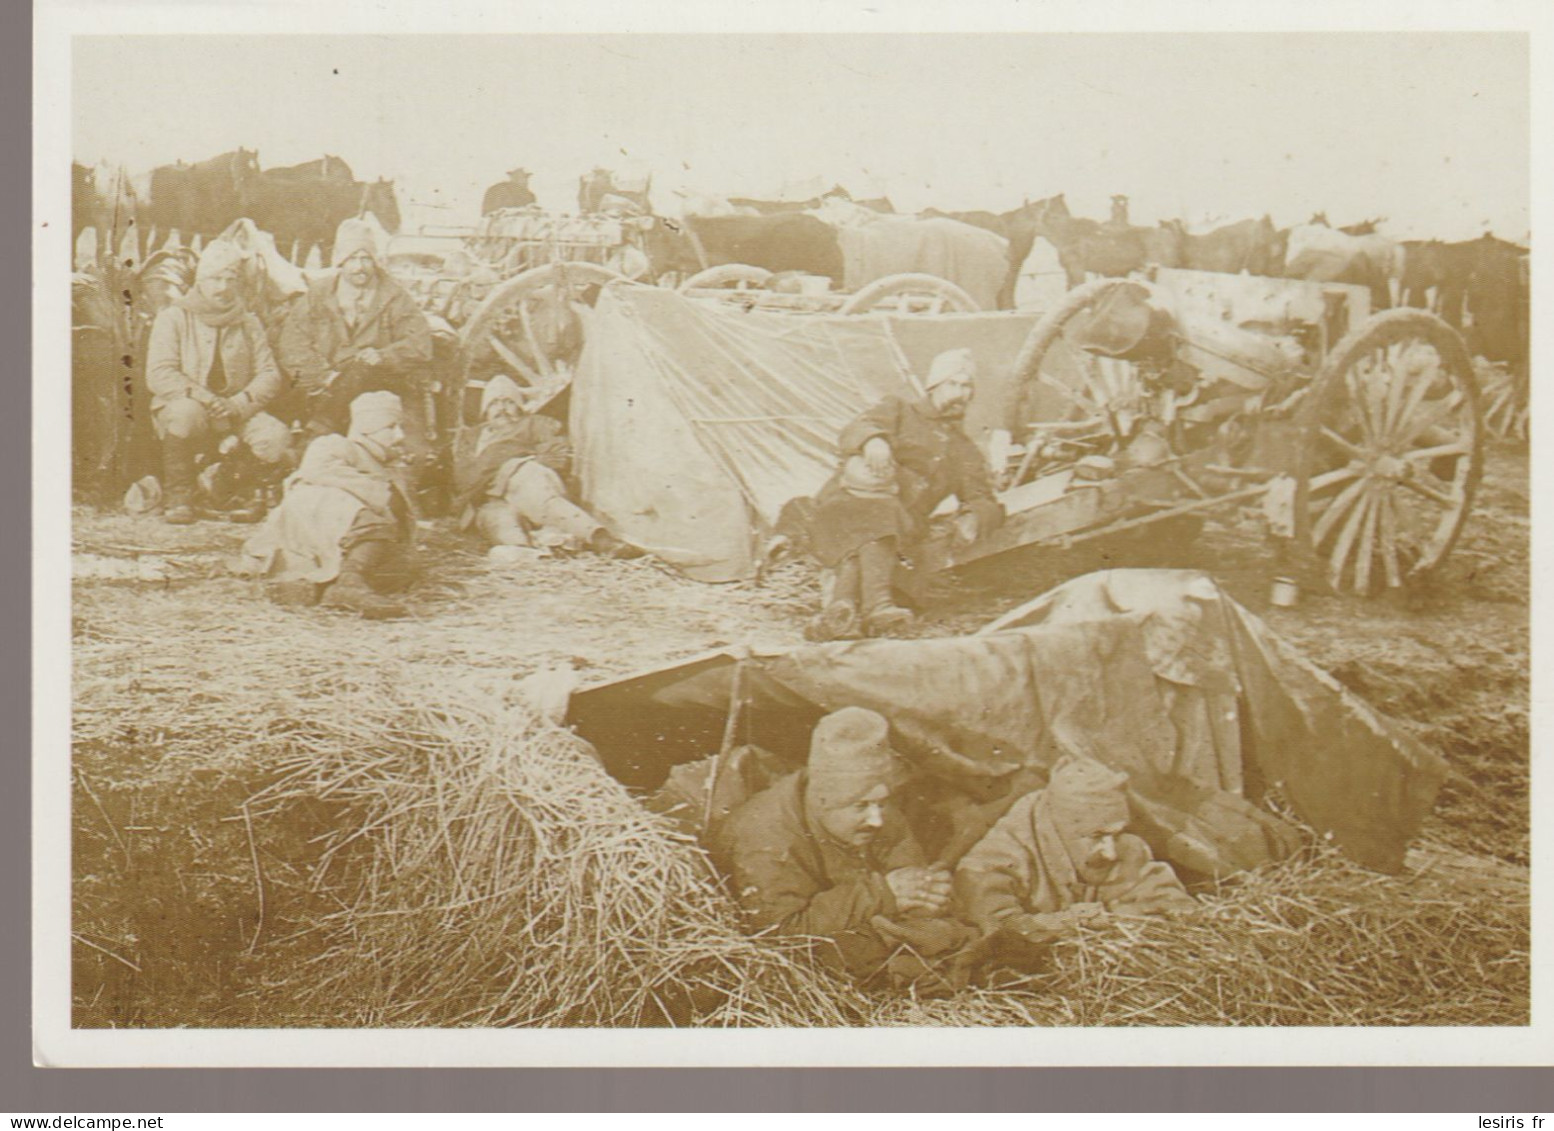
(506, 879)
(1313, 941)
(270, 805)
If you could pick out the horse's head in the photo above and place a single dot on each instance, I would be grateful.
(1039, 213)
(668, 246)
(379, 199)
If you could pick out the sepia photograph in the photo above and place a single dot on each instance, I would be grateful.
(785, 531)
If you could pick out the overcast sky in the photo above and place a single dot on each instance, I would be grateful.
(1429, 130)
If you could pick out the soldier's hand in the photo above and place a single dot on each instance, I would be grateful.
(1088, 912)
(369, 356)
(877, 454)
(925, 890)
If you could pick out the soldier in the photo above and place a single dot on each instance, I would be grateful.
(900, 460)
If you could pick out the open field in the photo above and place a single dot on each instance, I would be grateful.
(260, 837)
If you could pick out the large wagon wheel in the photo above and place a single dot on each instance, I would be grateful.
(911, 294)
(527, 328)
(1504, 394)
(1393, 453)
(728, 276)
(1098, 395)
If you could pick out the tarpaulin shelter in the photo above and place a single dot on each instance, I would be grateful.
(1155, 672)
(695, 422)
(972, 258)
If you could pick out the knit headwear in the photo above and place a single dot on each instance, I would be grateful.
(1084, 796)
(218, 256)
(500, 388)
(849, 754)
(949, 365)
(372, 411)
(352, 236)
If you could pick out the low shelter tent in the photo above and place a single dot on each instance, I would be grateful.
(1157, 673)
(695, 423)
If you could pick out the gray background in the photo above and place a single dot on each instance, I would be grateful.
(25, 1089)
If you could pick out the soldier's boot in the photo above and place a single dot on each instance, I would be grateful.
(876, 567)
(353, 590)
(838, 619)
(178, 480)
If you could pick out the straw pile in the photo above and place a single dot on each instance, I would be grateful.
(498, 876)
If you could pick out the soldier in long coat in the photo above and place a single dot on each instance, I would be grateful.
(824, 853)
(344, 533)
(900, 460)
(211, 375)
(1061, 857)
(357, 331)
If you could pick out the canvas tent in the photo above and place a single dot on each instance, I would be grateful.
(1155, 672)
(695, 422)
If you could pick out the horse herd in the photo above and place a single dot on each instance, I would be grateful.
(1482, 282)
(300, 205)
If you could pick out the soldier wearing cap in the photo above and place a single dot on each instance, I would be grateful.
(211, 374)
(823, 852)
(900, 460)
(511, 488)
(1061, 857)
(356, 331)
(344, 532)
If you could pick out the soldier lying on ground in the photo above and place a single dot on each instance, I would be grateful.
(900, 460)
(344, 524)
(1060, 857)
(825, 853)
(511, 488)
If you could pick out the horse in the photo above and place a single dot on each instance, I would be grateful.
(1252, 246)
(326, 168)
(1020, 226)
(1112, 249)
(1319, 253)
(83, 201)
(783, 241)
(199, 199)
(301, 214)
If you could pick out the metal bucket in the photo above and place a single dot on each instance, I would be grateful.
(1286, 593)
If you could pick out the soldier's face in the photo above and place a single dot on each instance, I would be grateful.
(219, 286)
(951, 397)
(390, 441)
(1095, 852)
(359, 269)
(504, 409)
(858, 824)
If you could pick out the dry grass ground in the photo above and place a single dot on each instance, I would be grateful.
(288, 817)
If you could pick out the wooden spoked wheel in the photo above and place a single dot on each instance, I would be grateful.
(911, 294)
(728, 276)
(1505, 396)
(1061, 383)
(527, 328)
(1393, 452)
